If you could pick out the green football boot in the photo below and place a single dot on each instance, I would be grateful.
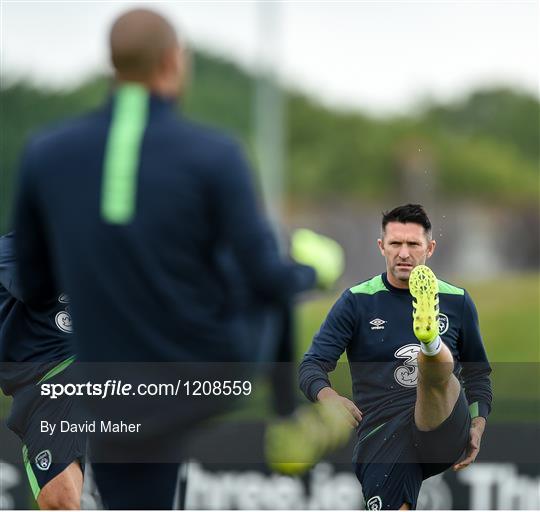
(296, 444)
(424, 287)
(324, 254)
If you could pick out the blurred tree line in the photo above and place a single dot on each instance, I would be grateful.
(485, 147)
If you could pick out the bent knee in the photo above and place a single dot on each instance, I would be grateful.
(61, 493)
(64, 491)
(55, 501)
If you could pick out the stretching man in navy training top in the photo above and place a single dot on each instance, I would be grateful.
(128, 209)
(420, 375)
(36, 347)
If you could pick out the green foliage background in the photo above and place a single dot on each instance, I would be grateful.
(485, 146)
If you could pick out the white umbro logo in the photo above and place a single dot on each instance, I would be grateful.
(377, 324)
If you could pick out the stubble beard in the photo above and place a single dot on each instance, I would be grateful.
(403, 275)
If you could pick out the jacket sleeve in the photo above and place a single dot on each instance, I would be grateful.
(475, 365)
(34, 270)
(327, 346)
(8, 271)
(243, 225)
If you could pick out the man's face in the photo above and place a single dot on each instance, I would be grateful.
(404, 246)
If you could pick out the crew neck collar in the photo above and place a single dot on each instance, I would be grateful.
(155, 100)
(392, 288)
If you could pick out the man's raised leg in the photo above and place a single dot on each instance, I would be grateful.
(438, 389)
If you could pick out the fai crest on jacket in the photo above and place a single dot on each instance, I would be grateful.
(63, 318)
(443, 323)
(63, 321)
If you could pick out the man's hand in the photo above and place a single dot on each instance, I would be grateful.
(328, 394)
(475, 436)
(325, 255)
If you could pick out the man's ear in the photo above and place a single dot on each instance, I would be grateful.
(168, 61)
(185, 65)
(381, 245)
(431, 248)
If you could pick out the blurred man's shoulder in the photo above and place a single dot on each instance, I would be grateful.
(59, 133)
(208, 135)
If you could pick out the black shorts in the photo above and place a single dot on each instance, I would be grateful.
(46, 456)
(395, 458)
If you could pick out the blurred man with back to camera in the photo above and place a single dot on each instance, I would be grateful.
(129, 210)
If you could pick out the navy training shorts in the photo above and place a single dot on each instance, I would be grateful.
(395, 457)
(45, 456)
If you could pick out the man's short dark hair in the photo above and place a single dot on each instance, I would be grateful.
(414, 213)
